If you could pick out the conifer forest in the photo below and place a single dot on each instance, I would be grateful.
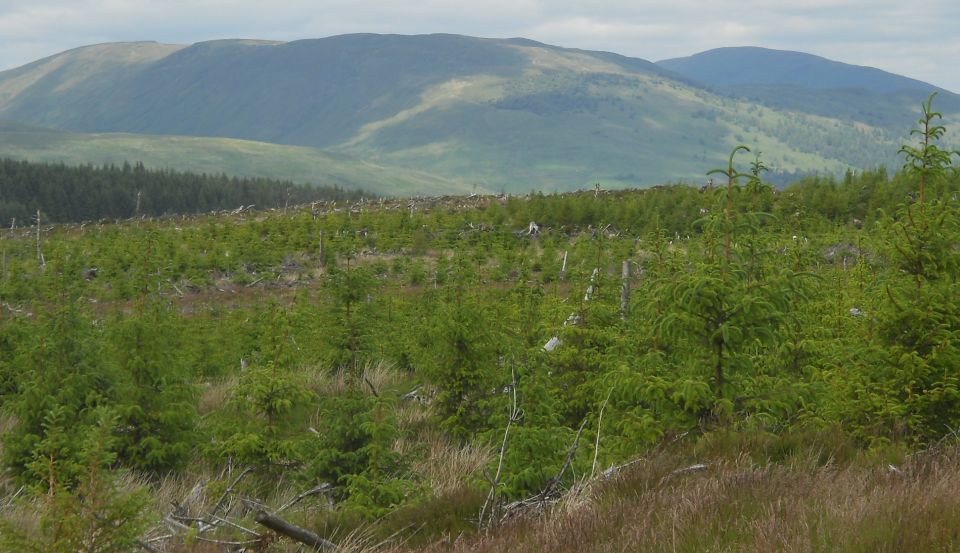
(732, 367)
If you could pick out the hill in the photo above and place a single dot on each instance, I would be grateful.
(811, 84)
(507, 114)
(243, 158)
(751, 65)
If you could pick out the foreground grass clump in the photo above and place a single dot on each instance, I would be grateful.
(737, 504)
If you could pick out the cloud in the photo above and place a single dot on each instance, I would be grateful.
(915, 39)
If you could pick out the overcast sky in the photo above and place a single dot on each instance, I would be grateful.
(919, 39)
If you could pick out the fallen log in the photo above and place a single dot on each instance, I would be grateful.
(293, 531)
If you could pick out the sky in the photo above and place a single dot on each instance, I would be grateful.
(918, 39)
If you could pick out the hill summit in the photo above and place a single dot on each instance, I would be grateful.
(498, 114)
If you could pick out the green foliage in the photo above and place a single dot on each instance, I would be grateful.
(927, 162)
(63, 378)
(85, 512)
(461, 359)
(757, 318)
(381, 485)
(157, 412)
(339, 449)
(269, 397)
(913, 386)
(351, 319)
(725, 304)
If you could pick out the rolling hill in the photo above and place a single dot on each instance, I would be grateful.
(510, 115)
(217, 155)
(811, 84)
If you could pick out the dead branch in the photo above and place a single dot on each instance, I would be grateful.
(229, 490)
(227, 542)
(174, 524)
(159, 538)
(147, 547)
(614, 470)
(414, 394)
(370, 385)
(232, 524)
(555, 481)
(495, 481)
(293, 531)
(593, 284)
(596, 446)
(322, 488)
(574, 318)
(699, 467)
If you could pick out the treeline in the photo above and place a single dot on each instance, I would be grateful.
(70, 194)
(817, 201)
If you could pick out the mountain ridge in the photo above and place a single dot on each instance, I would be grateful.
(508, 114)
(754, 65)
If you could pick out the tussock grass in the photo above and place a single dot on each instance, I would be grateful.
(413, 418)
(7, 423)
(381, 375)
(446, 466)
(21, 512)
(738, 504)
(215, 395)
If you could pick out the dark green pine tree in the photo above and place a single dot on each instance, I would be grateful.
(724, 309)
(460, 357)
(349, 288)
(157, 410)
(264, 424)
(920, 324)
(63, 373)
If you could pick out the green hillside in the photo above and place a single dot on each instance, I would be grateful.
(511, 115)
(802, 82)
(219, 155)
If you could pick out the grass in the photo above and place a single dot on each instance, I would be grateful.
(803, 491)
(807, 504)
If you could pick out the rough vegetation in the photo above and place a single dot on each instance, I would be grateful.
(769, 370)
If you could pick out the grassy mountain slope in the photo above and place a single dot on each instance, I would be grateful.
(216, 155)
(507, 114)
(308, 92)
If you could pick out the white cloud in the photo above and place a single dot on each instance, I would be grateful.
(917, 39)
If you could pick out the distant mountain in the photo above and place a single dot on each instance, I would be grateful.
(310, 92)
(811, 84)
(498, 114)
(750, 65)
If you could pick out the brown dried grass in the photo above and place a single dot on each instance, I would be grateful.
(738, 505)
(7, 423)
(376, 375)
(446, 466)
(215, 395)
